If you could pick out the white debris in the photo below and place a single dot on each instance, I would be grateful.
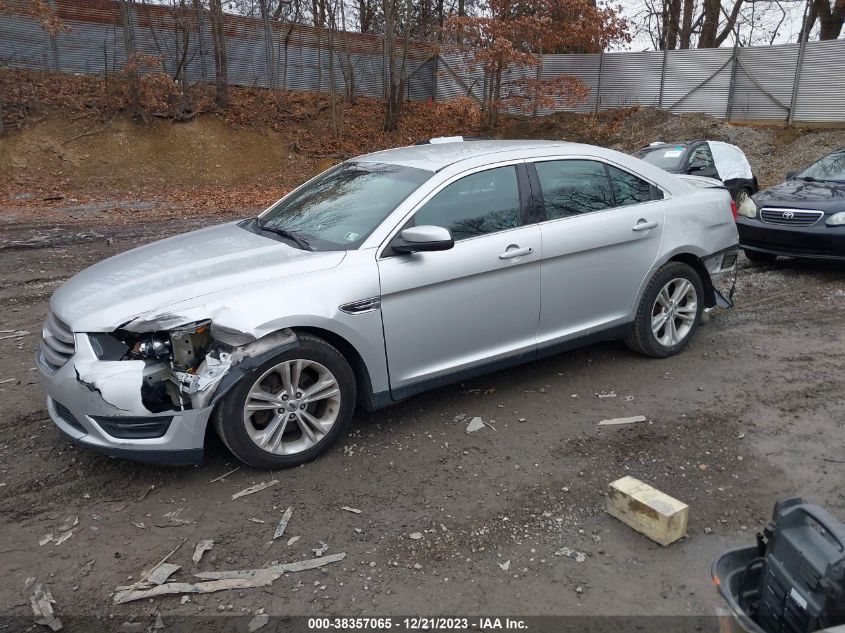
(15, 335)
(253, 489)
(70, 522)
(415, 536)
(476, 424)
(578, 557)
(30, 580)
(201, 548)
(185, 600)
(223, 580)
(159, 623)
(257, 622)
(319, 551)
(506, 565)
(254, 520)
(293, 539)
(618, 421)
(161, 573)
(42, 608)
(224, 475)
(283, 523)
(609, 394)
(352, 510)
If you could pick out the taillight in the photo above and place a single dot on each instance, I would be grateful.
(733, 208)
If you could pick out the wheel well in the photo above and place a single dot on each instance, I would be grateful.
(696, 264)
(359, 368)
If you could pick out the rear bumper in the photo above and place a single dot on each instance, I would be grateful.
(87, 412)
(814, 242)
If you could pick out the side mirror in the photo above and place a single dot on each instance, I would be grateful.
(790, 175)
(697, 165)
(423, 238)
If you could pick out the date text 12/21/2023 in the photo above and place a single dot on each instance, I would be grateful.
(418, 623)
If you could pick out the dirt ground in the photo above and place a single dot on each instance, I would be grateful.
(752, 412)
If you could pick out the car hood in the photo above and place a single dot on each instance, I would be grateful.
(117, 290)
(800, 194)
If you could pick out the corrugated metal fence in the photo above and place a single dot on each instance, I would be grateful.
(757, 83)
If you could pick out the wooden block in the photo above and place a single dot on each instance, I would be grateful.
(647, 510)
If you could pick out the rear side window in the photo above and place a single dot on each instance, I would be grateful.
(573, 187)
(485, 202)
(629, 189)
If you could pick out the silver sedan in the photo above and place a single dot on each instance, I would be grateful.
(387, 275)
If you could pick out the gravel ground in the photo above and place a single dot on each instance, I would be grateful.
(450, 523)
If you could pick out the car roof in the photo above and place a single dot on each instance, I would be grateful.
(436, 156)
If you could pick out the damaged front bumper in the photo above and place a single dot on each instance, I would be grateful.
(98, 404)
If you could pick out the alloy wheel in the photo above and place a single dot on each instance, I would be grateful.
(674, 311)
(292, 406)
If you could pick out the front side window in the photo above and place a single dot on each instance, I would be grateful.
(341, 207)
(484, 202)
(573, 187)
(701, 154)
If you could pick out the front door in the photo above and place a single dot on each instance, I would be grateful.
(448, 311)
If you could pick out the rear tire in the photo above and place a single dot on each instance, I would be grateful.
(669, 312)
(760, 258)
(290, 409)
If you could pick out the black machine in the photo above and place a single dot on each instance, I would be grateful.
(793, 581)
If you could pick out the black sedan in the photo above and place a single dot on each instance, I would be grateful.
(712, 159)
(801, 217)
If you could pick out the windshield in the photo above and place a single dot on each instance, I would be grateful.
(341, 207)
(830, 168)
(666, 157)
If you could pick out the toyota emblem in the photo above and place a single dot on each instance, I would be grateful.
(788, 215)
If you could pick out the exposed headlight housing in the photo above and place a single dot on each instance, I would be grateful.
(748, 208)
(837, 219)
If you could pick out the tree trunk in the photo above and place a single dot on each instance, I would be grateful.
(218, 38)
(129, 48)
(1, 116)
(709, 23)
(686, 24)
(269, 53)
(671, 23)
(831, 18)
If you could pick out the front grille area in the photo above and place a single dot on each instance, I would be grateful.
(66, 416)
(790, 217)
(57, 344)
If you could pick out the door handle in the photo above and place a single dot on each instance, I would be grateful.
(516, 252)
(643, 225)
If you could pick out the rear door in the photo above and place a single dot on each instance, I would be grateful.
(479, 302)
(601, 236)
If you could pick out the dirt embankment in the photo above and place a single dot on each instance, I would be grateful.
(67, 136)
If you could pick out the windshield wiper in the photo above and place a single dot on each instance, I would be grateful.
(295, 238)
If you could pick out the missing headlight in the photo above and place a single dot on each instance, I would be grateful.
(190, 345)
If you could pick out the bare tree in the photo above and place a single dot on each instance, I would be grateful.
(830, 15)
(218, 40)
(397, 76)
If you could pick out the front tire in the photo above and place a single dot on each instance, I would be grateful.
(290, 409)
(669, 312)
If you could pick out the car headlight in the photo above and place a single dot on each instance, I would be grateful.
(837, 219)
(748, 208)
